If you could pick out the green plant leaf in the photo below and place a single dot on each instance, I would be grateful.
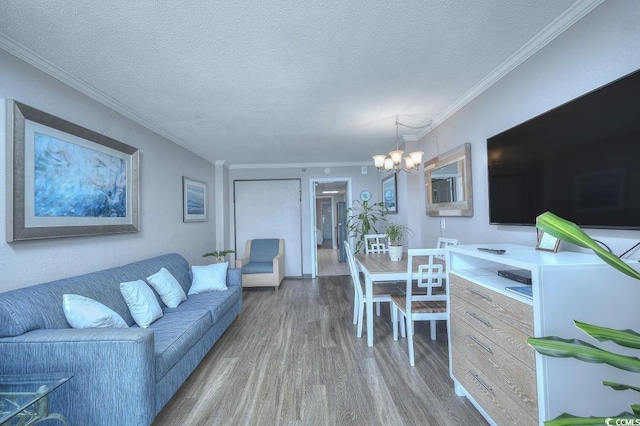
(570, 420)
(573, 348)
(571, 233)
(626, 338)
(620, 386)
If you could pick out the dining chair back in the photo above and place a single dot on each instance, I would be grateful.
(443, 242)
(425, 297)
(376, 243)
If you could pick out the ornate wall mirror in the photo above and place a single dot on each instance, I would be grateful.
(448, 183)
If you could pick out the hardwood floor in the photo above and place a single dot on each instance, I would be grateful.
(328, 263)
(293, 358)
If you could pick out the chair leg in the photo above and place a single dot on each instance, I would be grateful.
(403, 331)
(378, 308)
(356, 303)
(410, 341)
(394, 320)
(360, 317)
(433, 329)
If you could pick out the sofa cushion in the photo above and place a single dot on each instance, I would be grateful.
(82, 312)
(175, 333)
(209, 278)
(258, 268)
(217, 303)
(167, 287)
(264, 250)
(142, 302)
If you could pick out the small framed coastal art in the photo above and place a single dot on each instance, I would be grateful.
(64, 180)
(194, 200)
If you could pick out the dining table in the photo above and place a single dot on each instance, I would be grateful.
(379, 268)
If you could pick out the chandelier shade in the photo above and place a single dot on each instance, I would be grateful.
(394, 161)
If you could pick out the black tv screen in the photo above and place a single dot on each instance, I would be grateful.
(580, 161)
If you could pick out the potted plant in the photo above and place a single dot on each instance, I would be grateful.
(219, 254)
(364, 218)
(558, 347)
(396, 233)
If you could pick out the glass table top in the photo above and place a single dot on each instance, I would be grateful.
(19, 392)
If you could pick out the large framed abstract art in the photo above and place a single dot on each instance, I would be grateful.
(64, 180)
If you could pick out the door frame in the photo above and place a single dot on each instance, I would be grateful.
(312, 215)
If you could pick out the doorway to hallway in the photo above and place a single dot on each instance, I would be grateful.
(330, 201)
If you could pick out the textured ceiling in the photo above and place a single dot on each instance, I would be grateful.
(254, 82)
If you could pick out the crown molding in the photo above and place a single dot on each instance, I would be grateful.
(22, 52)
(299, 165)
(562, 23)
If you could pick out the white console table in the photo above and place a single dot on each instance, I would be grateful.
(491, 363)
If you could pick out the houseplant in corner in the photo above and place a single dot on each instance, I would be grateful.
(564, 348)
(396, 233)
(363, 219)
(218, 254)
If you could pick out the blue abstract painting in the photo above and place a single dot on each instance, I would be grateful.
(195, 199)
(74, 181)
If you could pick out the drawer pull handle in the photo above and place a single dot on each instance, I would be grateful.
(477, 293)
(479, 380)
(476, 317)
(482, 345)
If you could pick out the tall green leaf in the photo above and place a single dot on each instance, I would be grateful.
(620, 386)
(626, 338)
(571, 233)
(565, 348)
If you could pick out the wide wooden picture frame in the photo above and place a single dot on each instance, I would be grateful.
(390, 193)
(194, 200)
(64, 180)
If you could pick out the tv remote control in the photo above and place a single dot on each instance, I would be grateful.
(494, 251)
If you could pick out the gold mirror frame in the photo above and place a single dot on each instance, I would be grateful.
(462, 156)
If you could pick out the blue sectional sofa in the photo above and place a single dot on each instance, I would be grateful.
(121, 376)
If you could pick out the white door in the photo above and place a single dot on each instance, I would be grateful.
(270, 209)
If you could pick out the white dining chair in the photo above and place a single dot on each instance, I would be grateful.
(443, 242)
(424, 300)
(381, 292)
(376, 243)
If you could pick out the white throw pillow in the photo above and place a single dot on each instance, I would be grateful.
(82, 312)
(142, 302)
(209, 278)
(167, 287)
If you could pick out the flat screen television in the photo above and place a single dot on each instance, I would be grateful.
(580, 161)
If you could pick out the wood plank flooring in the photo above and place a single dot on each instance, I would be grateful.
(293, 358)
(328, 263)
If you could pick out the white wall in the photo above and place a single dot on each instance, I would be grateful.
(602, 47)
(162, 165)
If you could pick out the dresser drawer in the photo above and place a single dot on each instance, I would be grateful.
(511, 339)
(514, 378)
(491, 397)
(502, 307)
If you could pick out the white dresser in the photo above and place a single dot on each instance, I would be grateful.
(490, 361)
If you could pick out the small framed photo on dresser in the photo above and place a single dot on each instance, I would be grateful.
(547, 242)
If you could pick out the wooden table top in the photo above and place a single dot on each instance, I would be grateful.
(379, 263)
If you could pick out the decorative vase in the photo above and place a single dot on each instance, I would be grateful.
(395, 253)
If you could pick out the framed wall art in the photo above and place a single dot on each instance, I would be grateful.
(547, 242)
(389, 193)
(64, 180)
(194, 200)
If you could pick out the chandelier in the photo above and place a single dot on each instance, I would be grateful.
(394, 161)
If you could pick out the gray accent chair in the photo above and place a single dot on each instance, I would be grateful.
(263, 263)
